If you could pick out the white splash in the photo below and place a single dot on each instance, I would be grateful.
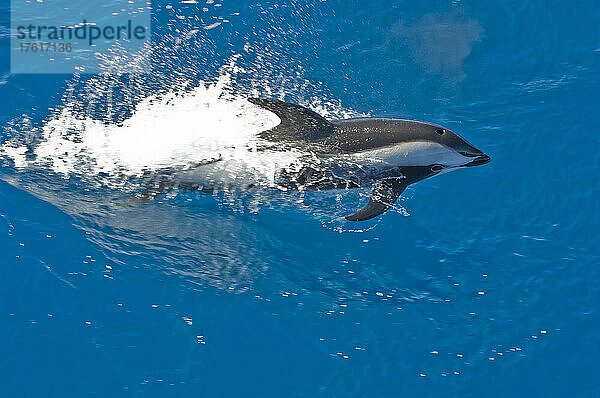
(171, 130)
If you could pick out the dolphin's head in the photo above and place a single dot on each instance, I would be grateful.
(461, 152)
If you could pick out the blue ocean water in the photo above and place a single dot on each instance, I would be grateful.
(480, 282)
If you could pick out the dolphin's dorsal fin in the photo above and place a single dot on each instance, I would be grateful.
(384, 194)
(297, 122)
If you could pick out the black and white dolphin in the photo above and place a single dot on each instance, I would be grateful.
(394, 153)
(386, 154)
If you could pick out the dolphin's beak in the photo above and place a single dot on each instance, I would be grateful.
(479, 160)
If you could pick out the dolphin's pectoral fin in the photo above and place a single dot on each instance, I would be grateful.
(297, 122)
(384, 194)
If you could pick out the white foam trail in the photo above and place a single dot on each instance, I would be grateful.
(173, 130)
(176, 130)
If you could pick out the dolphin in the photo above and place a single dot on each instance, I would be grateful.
(398, 152)
(387, 154)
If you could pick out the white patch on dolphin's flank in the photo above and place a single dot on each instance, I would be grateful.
(416, 153)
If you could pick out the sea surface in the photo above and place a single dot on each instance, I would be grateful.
(480, 282)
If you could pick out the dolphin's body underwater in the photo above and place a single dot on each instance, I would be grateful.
(385, 153)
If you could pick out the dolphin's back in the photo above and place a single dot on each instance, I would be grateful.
(363, 134)
(301, 125)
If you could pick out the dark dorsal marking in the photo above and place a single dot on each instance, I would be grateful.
(297, 122)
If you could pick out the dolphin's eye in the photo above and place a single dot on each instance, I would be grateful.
(440, 131)
(436, 167)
